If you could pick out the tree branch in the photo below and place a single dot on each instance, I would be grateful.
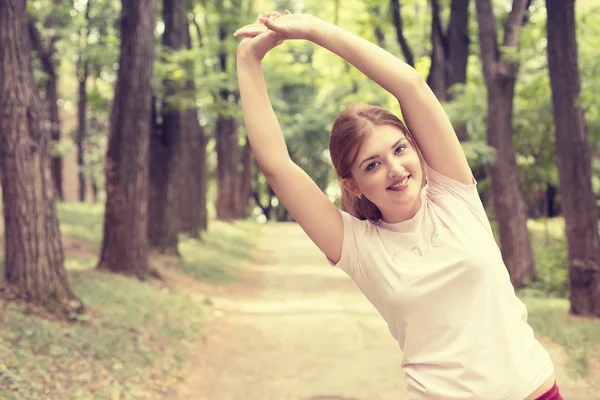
(43, 54)
(488, 42)
(513, 23)
(397, 18)
(437, 23)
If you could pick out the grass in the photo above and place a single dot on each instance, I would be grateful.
(577, 335)
(137, 336)
(547, 298)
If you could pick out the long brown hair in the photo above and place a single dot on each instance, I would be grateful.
(350, 128)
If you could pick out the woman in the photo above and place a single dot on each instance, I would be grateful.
(413, 233)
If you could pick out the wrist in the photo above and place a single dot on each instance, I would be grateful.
(246, 58)
(315, 29)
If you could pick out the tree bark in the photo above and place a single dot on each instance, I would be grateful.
(379, 35)
(227, 167)
(457, 57)
(437, 74)
(245, 190)
(573, 159)
(500, 77)
(33, 252)
(125, 242)
(194, 217)
(82, 76)
(449, 53)
(46, 56)
(226, 135)
(167, 146)
(397, 19)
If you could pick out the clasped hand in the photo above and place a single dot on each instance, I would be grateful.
(271, 29)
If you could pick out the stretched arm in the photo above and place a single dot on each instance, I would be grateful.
(264, 131)
(423, 113)
(309, 206)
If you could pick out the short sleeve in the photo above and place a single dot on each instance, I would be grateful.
(441, 189)
(353, 230)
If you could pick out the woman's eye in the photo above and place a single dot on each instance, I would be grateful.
(400, 149)
(371, 166)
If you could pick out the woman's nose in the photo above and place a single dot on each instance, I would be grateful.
(396, 169)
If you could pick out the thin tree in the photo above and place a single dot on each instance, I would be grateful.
(46, 51)
(82, 78)
(449, 52)
(573, 159)
(125, 241)
(226, 132)
(500, 72)
(33, 252)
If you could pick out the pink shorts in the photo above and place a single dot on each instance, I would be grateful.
(552, 394)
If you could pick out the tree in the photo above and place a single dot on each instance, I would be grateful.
(34, 259)
(573, 159)
(449, 52)
(402, 42)
(500, 72)
(82, 102)
(46, 51)
(125, 241)
(167, 180)
(226, 133)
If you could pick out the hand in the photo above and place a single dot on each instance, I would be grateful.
(258, 40)
(287, 26)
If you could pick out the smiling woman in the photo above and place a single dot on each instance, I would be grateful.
(363, 133)
(412, 232)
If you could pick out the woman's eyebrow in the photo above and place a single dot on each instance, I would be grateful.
(377, 155)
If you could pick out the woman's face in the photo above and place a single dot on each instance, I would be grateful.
(388, 172)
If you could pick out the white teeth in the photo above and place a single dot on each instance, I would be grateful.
(402, 183)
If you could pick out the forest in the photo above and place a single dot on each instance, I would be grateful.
(125, 165)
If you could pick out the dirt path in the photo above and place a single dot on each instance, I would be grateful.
(297, 329)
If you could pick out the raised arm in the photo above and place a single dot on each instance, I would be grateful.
(422, 112)
(303, 199)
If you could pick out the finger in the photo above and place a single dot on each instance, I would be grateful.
(287, 12)
(272, 14)
(252, 29)
(272, 25)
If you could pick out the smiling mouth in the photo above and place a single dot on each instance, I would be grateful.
(400, 184)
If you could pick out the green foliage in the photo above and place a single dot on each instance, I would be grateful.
(550, 255)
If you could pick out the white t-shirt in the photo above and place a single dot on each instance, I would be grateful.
(441, 285)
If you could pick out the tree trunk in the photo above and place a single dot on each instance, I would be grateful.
(397, 20)
(245, 190)
(457, 40)
(46, 60)
(82, 76)
(125, 242)
(500, 76)
(193, 213)
(379, 35)
(33, 255)
(437, 74)
(227, 167)
(163, 220)
(167, 179)
(573, 159)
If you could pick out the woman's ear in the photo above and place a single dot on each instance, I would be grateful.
(349, 185)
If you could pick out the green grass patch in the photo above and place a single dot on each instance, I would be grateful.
(81, 221)
(577, 335)
(137, 337)
(549, 246)
(220, 257)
